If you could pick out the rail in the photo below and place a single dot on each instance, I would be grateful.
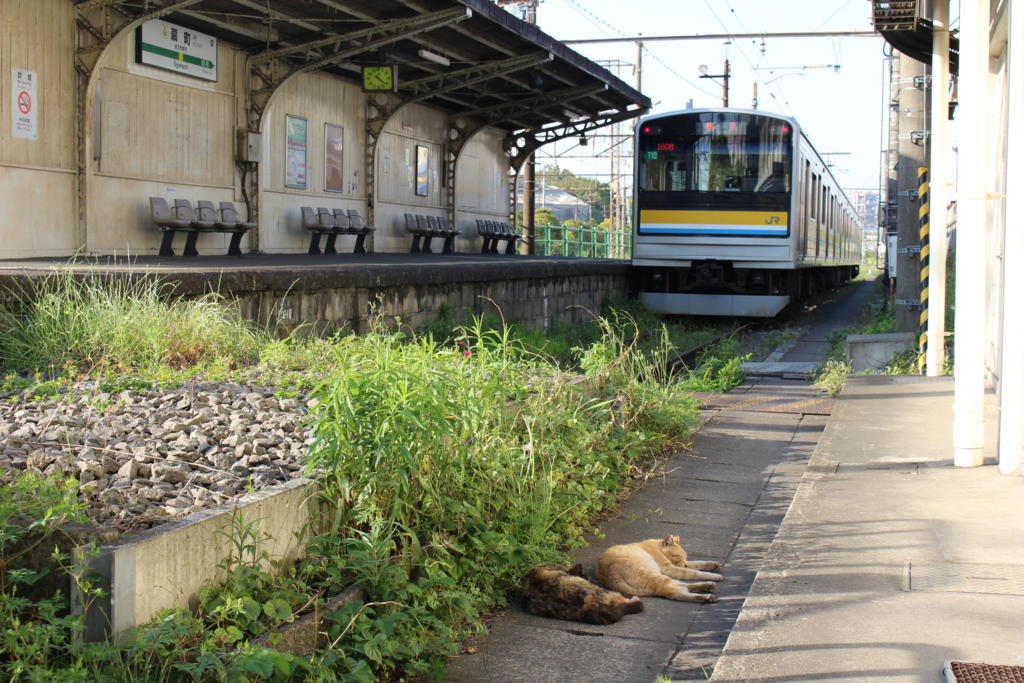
(584, 241)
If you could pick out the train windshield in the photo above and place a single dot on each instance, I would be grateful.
(715, 152)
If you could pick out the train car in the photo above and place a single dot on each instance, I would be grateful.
(736, 214)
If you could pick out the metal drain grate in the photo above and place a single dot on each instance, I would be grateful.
(973, 672)
(998, 579)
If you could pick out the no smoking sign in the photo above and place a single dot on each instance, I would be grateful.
(24, 114)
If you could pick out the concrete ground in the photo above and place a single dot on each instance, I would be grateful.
(890, 561)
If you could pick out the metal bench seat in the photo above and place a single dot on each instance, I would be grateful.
(421, 234)
(183, 218)
(359, 227)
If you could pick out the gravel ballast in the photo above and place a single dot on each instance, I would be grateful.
(144, 457)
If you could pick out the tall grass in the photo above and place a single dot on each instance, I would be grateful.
(118, 321)
(451, 467)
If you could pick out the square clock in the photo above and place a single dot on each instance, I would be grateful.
(380, 78)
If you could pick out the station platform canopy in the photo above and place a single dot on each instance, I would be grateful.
(470, 58)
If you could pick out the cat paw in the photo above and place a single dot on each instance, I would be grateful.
(704, 587)
(713, 566)
(711, 576)
(710, 597)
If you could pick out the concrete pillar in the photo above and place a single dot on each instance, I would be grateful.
(1011, 417)
(891, 190)
(972, 171)
(935, 358)
(912, 143)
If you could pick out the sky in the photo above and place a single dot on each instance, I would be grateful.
(840, 109)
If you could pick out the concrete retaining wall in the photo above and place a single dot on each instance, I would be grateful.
(167, 566)
(874, 351)
(536, 303)
(537, 293)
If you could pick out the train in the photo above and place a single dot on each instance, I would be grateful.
(736, 214)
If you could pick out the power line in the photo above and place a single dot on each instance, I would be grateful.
(838, 10)
(721, 36)
(747, 59)
(597, 21)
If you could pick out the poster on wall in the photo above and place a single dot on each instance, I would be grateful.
(176, 48)
(24, 107)
(295, 153)
(422, 169)
(334, 146)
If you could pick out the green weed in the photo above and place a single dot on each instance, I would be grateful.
(118, 321)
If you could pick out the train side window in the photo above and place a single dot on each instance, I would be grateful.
(807, 190)
(813, 189)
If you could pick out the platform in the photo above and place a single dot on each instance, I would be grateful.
(853, 550)
(327, 292)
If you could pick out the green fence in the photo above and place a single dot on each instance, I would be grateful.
(565, 240)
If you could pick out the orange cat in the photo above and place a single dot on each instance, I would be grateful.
(656, 567)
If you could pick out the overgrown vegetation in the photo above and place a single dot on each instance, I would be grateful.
(450, 462)
(119, 322)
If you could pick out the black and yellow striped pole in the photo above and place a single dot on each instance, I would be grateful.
(922, 216)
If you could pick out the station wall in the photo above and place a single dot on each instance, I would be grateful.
(152, 132)
(37, 177)
(482, 182)
(321, 100)
(157, 133)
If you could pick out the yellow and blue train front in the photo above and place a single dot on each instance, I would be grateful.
(721, 223)
(716, 282)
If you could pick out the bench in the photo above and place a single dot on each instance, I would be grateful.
(494, 232)
(325, 222)
(357, 226)
(182, 218)
(425, 228)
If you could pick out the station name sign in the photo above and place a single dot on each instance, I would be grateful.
(176, 48)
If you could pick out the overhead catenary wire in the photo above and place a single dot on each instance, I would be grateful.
(785, 101)
(608, 29)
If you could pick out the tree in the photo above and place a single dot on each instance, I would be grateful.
(544, 216)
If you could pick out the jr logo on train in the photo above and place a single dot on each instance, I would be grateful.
(736, 214)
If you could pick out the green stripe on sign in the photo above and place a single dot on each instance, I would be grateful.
(177, 56)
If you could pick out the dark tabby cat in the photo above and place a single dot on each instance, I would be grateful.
(552, 590)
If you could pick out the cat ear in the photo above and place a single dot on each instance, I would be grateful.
(675, 540)
(667, 540)
(576, 570)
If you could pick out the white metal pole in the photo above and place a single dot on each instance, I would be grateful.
(972, 171)
(935, 358)
(1011, 416)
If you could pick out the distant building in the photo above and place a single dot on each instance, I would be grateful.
(564, 205)
(866, 203)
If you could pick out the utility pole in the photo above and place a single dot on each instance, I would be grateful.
(703, 68)
(912, 116)
(725, 85)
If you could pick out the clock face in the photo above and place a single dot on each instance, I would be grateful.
(379, 78)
